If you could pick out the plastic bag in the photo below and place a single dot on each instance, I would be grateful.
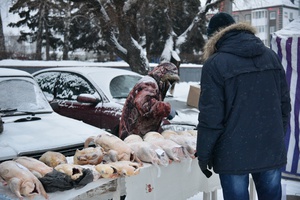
(58, 181)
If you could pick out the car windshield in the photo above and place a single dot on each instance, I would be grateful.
(21, 95)
(120, 86)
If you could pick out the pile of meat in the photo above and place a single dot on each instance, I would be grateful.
(110, 158)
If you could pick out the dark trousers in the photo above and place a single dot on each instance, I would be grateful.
(267, 184)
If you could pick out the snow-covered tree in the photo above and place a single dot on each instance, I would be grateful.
(48, 23)
(138, 29)
(33, 22)
(2, 41)
(134, 30)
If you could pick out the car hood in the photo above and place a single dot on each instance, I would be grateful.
(51, 132)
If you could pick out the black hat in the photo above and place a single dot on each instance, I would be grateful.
(218, 21)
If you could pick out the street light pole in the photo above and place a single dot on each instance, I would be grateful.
(299, 7)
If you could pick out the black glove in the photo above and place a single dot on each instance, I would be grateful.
(203, 167)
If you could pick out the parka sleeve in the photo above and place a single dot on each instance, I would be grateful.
(212, 112)
(285, 101)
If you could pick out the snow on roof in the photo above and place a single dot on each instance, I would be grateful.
(108, 71)
(73, 63)
(13, 72)
(68, 63)
(254, 4)
(292, 29)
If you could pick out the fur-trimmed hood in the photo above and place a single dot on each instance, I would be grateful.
(210, 47)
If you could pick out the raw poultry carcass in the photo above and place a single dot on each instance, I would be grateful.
(74, 171)
(107, 170)
(152, 135)
(142, 149)
(145, 150)
(52, 159)
(88, 156)
(38, 168)
(20, 180)
(126, 168)
(187, 141)
(111, 142)
(162, 155)
(192, 132)
(110, 156)
(174, 151)
(133, 138)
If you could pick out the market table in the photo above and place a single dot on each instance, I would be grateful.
(178, 181)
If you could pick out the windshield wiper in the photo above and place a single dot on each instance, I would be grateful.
(6, 110)
(33, 113)
(15, 112)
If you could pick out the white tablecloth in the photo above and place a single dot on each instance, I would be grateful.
(178, 181)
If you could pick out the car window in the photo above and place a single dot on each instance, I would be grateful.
(22, 95)
(120, 86)
(69, 86)
(46, 82)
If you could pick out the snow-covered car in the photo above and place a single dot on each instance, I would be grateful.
(30, 126)
(94, 95)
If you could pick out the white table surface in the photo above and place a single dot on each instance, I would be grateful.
(178, 181)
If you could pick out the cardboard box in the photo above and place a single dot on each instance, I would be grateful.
(193, 96)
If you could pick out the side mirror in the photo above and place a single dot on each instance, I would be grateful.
(87, 98)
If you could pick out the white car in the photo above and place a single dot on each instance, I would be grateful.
(30, 126)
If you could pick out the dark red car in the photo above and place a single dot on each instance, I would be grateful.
(94, 95)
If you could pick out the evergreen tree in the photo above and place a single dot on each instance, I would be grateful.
(3, 53)
(42, 18)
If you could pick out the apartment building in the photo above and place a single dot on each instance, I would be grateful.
(268, 16)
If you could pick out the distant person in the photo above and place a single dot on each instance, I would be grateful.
(145, 108)
(176, 61)
(244, 111)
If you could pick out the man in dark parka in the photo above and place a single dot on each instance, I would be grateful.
(244, 111)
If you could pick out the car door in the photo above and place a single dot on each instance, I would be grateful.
(65, 88)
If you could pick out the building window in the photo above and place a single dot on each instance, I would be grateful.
(248, 18)
(291, 16)
(272, 29)
(259, 15)
(260, 29)
(236, 18)
(272, 15)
